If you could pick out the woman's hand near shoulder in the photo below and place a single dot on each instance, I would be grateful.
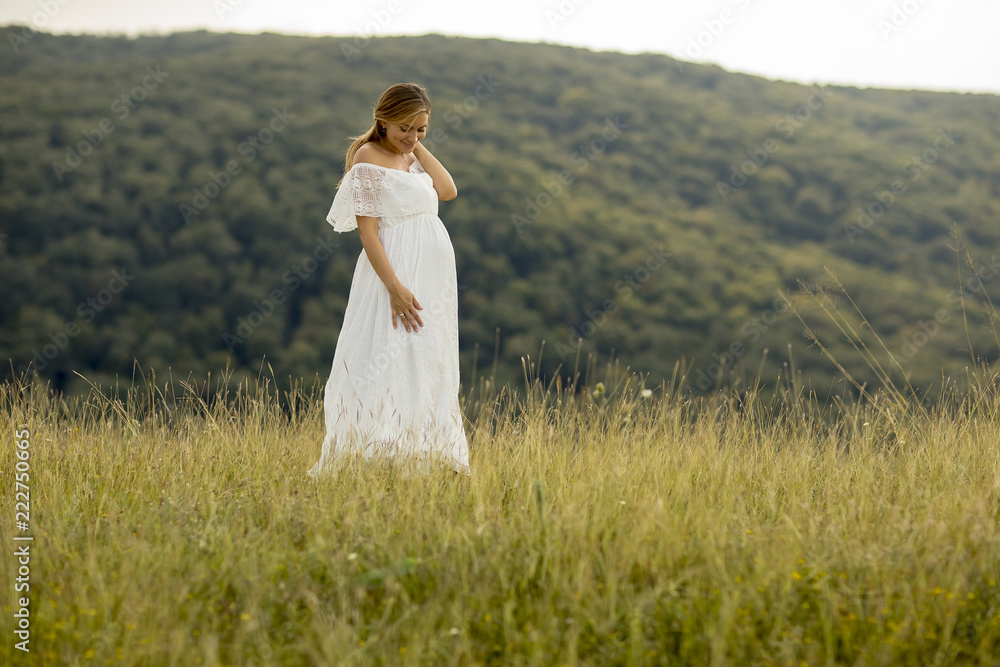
(444, 184)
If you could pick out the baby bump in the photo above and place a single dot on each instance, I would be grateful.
(419, 248)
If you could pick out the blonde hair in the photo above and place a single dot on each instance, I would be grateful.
(398, 104)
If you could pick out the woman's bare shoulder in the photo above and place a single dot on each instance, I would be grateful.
(371, 155)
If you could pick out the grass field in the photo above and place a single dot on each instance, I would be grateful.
(599, 527)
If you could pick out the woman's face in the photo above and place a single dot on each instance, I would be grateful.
(404, 137)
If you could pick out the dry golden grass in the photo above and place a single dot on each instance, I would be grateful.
(596, 529)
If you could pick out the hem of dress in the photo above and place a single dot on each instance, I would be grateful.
(409, 465)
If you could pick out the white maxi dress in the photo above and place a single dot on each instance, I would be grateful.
(393, 393)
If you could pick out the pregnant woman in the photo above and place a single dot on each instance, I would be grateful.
(393, 389)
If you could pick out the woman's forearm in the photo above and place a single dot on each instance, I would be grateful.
(443, 182)
(402, 303)
(368, 229)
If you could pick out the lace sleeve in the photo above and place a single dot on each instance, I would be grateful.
(363, 192)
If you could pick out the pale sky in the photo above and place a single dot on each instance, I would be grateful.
(927, 44)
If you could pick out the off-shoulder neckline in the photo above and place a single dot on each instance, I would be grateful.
(372, 164)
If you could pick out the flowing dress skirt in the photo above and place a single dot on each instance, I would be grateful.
(394, 393)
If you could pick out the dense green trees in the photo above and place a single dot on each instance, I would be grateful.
(652, 210)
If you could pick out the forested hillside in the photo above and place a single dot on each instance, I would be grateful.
(163, 200)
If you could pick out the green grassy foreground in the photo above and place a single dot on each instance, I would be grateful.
(605, 528)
